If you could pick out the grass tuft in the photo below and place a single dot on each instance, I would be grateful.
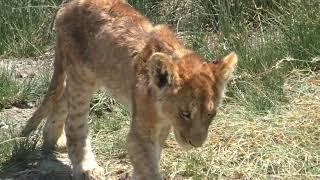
(14, 92)
(26, 26)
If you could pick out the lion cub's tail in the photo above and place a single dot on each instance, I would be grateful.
(53, 95)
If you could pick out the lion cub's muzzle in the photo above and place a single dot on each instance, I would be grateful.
(195, 139)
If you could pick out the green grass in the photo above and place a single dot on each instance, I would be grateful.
(26, 26)
(9, 87)
(14, 92)
(269, 125)
(263, 34)
(110, 121)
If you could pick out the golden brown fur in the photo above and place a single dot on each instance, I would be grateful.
(106, 43)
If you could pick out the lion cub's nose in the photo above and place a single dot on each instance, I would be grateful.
(196, 141)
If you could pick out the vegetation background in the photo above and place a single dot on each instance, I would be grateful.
(269, 125)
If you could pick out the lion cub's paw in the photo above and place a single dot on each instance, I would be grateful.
(94, 173)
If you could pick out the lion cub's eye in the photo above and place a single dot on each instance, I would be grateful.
(186, 115)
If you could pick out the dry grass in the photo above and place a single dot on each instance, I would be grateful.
(282, 144)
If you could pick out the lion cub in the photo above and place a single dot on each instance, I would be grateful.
(106, 43)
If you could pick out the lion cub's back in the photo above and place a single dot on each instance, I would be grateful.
(82, 23)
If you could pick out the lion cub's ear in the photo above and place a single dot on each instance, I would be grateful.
(163, 71)
(225, 67)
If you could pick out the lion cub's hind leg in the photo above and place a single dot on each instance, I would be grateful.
(78, 144)
(53, 132)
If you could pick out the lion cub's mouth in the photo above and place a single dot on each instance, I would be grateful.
(182, 140)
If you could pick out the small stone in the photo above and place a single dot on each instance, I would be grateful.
(30, 104)
(19, 75)
(3, 126)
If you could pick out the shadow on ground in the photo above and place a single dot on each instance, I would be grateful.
(38, 166)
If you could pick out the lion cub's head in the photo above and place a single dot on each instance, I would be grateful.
(189, 91)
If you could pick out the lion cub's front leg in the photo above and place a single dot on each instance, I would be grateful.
(84, 164)
(144, 147)
(144, 156)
